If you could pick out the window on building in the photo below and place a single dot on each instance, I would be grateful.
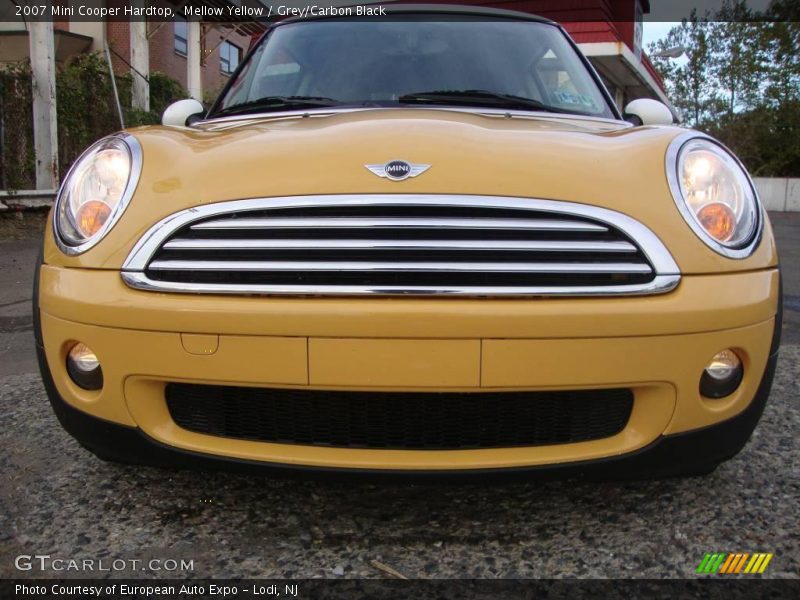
(230, 55)
(181, 46)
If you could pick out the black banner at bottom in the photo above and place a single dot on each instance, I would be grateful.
(393, 589)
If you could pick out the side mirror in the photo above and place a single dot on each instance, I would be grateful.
(178, 113)
(645, 111)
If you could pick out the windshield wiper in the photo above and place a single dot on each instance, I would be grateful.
(278, 103)
(483, 98)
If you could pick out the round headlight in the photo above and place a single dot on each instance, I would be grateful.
(95, 192)
(714, 194)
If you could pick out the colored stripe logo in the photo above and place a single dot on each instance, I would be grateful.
(734, 563)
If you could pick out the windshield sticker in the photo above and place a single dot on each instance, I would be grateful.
(282, 69)
(574, 99)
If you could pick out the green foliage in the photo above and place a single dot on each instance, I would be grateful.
(86, 107)
(740, 81)
(163, 92)
(87, 111)
(765, 139)
(17, 158)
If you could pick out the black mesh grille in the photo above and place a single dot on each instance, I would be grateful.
(403, 421)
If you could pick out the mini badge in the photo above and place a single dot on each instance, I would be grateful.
(398, 170)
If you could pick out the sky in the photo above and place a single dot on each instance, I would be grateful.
(654, 31)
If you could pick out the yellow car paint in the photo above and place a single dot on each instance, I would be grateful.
(656, 345)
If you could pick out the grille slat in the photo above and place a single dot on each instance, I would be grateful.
(395, 245)
(400, 420)
(269, 223)
(447, 267)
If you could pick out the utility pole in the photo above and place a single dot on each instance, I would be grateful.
(45, 123)
(194, 59)
(113, 79)
(140, 60)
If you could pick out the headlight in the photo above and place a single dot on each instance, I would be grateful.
(95, 192)
(714, 194)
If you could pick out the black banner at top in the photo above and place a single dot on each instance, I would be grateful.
(266, 11)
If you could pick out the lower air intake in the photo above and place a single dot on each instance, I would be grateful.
(400, 421)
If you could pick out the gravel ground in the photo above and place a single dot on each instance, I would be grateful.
(17, 260)
(57, 499)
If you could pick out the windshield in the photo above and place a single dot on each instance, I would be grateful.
(496, 63)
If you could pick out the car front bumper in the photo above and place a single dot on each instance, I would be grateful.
(657, 346)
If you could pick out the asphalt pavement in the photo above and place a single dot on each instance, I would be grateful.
(57, 499)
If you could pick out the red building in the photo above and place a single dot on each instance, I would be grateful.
(221, 50)
(199, 55)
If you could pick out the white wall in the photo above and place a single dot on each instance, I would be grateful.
(93, 29)
(779, 193)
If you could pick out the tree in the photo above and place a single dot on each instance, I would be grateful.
(741, 82)
(688, 85)
(739, 57)
(782, 45)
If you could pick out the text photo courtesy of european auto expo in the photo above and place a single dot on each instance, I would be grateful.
(425, 299)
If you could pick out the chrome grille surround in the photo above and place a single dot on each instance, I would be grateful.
(524, 235)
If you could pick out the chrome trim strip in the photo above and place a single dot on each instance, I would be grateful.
(344, 244)
(392, 223)
(392, 267)
(666, 270)
(659, 285)
(673, 177)
(135, 150)
(485, 112)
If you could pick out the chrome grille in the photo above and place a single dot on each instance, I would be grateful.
(474, 245)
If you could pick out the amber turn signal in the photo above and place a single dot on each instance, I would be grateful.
(718, 220)
(92, 216)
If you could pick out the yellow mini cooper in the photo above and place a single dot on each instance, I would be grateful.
(421, 244)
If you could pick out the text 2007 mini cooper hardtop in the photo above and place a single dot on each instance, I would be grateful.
(421, 244)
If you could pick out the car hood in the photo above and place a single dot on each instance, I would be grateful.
(591, 161)
(554, 157)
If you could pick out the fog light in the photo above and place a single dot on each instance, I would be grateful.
(84, 368)
(722, 375)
